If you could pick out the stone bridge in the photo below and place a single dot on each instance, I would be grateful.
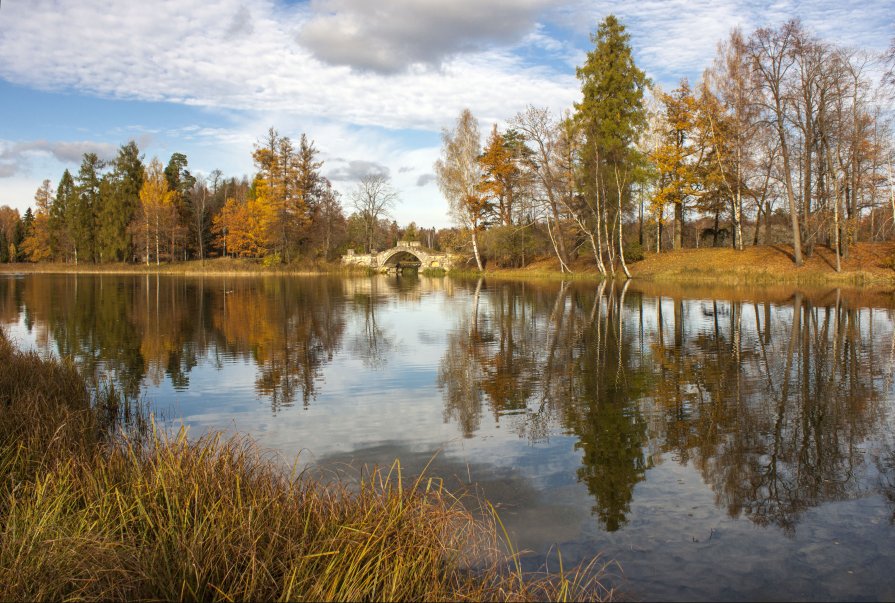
(406, 254)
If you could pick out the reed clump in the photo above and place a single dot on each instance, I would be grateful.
(92, 509)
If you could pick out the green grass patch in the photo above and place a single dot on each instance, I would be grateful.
(96, 504)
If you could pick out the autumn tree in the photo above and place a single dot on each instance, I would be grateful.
(243, 226)
(504, 178)
(679, 157)
(156, 213)
(553, 178)
(459, 175)
(730, 79)
(37, 245)
(330, 225)
(772, 56)
(200, 214)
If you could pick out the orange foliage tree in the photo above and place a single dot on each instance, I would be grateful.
(37, 245)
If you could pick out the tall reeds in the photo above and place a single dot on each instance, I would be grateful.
(90, 511)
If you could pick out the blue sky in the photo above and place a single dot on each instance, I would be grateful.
(372, 83)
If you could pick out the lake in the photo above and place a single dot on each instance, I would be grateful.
(720, 444)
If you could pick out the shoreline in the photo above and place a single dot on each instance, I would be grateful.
(871, 266)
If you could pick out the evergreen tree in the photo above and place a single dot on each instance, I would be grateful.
(610, 115)
(21, 232)
(84, 213)
(61, 218)
(120, 201)
(180, 183)
(310, 188)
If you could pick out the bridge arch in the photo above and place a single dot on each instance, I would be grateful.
(393, 257)
(407, 253)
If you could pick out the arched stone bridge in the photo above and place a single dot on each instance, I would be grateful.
(405, 254)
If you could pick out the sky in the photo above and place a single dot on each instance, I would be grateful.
(372, 83)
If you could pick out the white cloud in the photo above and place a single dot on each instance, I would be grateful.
(678, 38)
(182, 52)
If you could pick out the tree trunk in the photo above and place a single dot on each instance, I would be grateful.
(621, 246)
(790, 194)
(679, 225)
(475, 250)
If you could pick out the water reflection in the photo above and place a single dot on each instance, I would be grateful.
(155, 327)
(780, 402)
(774, 403)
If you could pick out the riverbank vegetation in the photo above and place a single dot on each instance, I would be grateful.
(785, 141)
(97, 505)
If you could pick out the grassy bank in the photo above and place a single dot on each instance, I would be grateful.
(93, 509)
(869, 265)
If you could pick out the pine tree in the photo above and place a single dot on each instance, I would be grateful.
(610, 115)
(180, 183)
(87, 199)
(61, 218)
(119, 204)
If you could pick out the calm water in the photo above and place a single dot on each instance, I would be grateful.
(719, 444)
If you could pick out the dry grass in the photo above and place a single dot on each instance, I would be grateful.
(94, 512)
(869, 264)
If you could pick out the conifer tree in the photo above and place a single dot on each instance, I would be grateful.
(610, 115)
(87, 199)
(61, 218)
(120, 202)
(180, 183)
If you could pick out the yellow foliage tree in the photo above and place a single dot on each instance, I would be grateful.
(680, 155)
(157, 215)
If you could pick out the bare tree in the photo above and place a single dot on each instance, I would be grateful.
(459, 175)
(772, 57)
(373, 198)
(200, 199)
(543, 135)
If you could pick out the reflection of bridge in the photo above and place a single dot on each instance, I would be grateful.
(406, 254)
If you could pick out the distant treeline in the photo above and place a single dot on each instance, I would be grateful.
(127, 210)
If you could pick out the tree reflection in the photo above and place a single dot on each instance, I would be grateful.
(773, 404)
(538, 358)
(153, 327)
